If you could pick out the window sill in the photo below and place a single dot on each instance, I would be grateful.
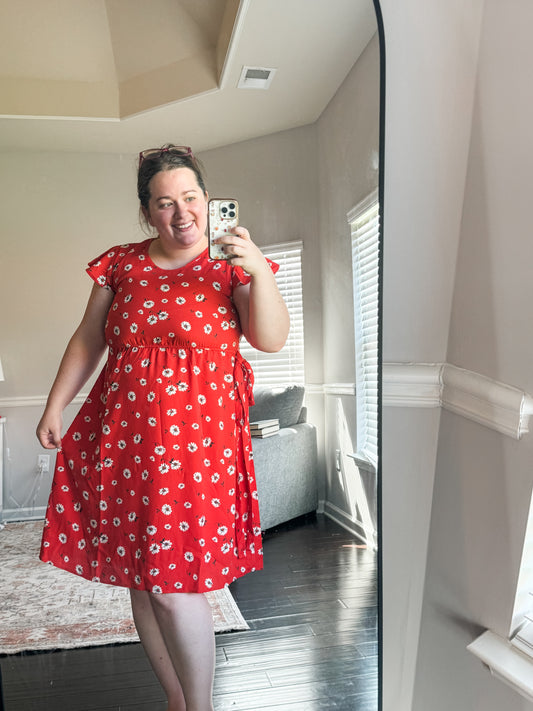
(505, 662)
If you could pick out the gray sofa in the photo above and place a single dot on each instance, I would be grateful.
(285, 463)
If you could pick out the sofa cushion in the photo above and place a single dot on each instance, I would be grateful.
(283, 402)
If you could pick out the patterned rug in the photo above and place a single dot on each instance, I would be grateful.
(42, 607)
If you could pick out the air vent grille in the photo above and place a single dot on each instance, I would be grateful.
(256, 77)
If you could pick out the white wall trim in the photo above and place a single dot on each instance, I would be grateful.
(501, 407)
(411, 384)
(505, 662)
(339, 389)
(34, 401)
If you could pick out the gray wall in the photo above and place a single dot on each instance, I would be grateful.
(484, 480)
(431, 50)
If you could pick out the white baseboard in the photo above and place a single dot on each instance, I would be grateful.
(348, 523)
(23, 514)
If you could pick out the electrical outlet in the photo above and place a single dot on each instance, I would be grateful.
(43, 463)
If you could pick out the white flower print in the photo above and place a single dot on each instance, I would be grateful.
(174, 430)
(134, 327)
(151, 396)
(184, 526)
(192, 446)
(148, 304)
(208, 328)
(164, 468)
(164, 491)
(126, 473)
(132, 516)
(160, 450)
(121, 444)
(152, 319)
(186, 326)
(228, 452)
(152, 421)
(145, 363)
(175, 464)
(151, 529)
(197, 476)
(217, 286)
(121, 551)
(132, 396)
(166, 545)
(162, 315)
(189, 556)
(168, 372)
(62, 538)
(208, 583)
(154, 548)
(180, 300)
(166, 509)
(172, 412)
(215, 503)
(165, 287)
(171, 390)
(182, 387)
(60, 508)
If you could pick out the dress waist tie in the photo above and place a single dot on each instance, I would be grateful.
(245, 475)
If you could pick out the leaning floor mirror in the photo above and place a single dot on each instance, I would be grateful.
(282, 102)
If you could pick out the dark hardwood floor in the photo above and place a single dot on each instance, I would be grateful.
(312, 642)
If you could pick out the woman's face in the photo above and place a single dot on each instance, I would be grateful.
(177, 208)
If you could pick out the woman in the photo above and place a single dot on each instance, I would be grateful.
(154, 487)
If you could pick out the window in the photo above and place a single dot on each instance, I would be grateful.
(286, 366)
(364, 223)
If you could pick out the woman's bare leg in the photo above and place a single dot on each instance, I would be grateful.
(186, 623)
(156, 649)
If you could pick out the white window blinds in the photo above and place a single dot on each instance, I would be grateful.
(364, 222)
(286, 366)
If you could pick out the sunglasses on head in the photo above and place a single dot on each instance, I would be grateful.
(151, 153)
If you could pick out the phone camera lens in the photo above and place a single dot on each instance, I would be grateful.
(223, 210)
(232, 206)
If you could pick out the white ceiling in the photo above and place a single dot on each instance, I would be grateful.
(116, 75)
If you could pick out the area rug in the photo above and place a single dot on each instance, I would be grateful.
(42, 607)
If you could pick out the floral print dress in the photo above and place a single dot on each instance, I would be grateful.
(154, 487)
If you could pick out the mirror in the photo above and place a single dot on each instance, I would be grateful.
(299, 156)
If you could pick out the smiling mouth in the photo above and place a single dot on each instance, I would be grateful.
(185, 226)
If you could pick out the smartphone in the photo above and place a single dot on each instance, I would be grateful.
(223, 217)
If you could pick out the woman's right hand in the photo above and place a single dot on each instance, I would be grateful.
(49, 430)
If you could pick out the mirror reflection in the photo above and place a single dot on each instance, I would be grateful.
(301, 156)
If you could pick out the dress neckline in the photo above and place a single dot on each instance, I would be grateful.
(146, 251)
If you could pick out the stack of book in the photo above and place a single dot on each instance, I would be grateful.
(264, 428)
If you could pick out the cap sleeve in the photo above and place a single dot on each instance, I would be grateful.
(239, 276)
(103, 268)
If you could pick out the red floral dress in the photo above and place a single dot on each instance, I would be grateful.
(154, 487)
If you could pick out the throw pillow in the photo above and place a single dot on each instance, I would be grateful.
(283, 402)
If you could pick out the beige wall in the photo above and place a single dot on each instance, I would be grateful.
(59, 210)
(484, 480)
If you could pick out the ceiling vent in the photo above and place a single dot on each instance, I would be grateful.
(255, 78)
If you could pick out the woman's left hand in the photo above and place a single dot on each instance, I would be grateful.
(244, 253)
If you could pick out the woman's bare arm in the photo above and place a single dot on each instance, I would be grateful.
(81, 358)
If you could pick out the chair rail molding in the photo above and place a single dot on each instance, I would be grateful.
(501, 407)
